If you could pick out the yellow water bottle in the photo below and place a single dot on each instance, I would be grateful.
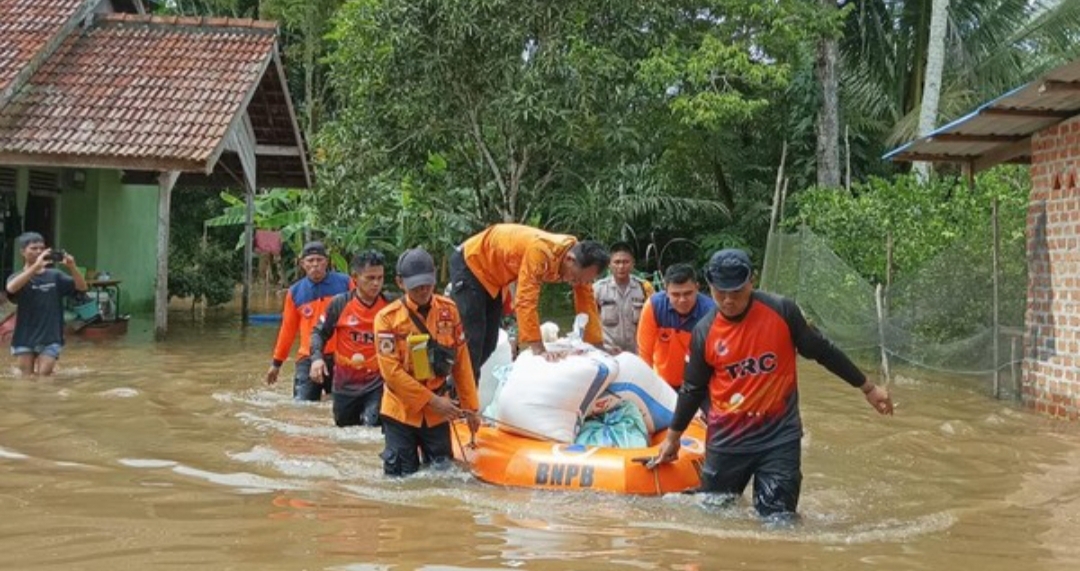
(418, 343)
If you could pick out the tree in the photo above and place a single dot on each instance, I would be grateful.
(995, 46)
(935, 63)
(630, 105)
(828, 118)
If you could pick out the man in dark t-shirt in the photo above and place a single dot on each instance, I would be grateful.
(39, 291)
(743, 360)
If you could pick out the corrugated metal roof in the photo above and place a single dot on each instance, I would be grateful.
(1000, 131)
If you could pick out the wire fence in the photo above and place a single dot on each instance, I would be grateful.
(949, 317)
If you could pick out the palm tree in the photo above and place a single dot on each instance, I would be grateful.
(992, 46)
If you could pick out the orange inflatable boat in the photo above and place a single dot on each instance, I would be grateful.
(500, 457)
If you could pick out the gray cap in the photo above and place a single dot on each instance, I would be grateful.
(416, 268)
(728, 270)
(314, 248)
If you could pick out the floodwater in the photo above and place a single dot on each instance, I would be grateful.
(175, 456)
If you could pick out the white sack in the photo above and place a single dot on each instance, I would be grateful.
(636, 382)
(550, 399)
(488, 382)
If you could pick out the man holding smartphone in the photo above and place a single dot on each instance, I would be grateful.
(39, 292)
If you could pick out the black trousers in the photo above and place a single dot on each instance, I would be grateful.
(777, 474)
(481, 314)
(358, 409)
(306, 389)
(409, 446)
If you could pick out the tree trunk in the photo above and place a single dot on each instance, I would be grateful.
(828, 119)
(935, 64)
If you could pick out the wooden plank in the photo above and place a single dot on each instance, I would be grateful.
(277, 151)
(157, 164)
(1035, 113)
(966, 138)
(933, 158)
(166, 181)
(1003, 154)
(280, 70)
(1053, 85)
(241, 140)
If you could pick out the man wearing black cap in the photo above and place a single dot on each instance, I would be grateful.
(421, 346)
(743, 359)
(305, 301)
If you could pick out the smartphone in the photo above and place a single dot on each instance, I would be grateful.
(57, 256)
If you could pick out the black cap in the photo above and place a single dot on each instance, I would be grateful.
(728, 270)
(416, 268)
(313, 249)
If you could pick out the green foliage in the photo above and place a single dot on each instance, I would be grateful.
(281, 209)
(922, 219)
(201, 265)
(204, 274)
(600, 119)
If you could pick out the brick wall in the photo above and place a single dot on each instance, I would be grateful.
(1051, 368)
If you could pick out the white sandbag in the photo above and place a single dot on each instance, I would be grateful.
(636, 382)
(550, 399)
(501, 356)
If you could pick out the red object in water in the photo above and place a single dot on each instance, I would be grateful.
(7, 328)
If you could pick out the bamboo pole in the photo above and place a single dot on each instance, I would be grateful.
(888, 267)
(249, 251)
(997, 287)
(886, 374)
(1012, 369)
(772, 257)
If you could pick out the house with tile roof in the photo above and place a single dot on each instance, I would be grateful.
(105, 111)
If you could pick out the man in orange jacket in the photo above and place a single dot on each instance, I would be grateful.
(506, 253)
(421, 345)
(305, 301)
(667, 321)
(350, 321)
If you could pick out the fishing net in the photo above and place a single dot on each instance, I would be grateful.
(937, 318)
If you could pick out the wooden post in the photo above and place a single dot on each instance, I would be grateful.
(888, 268)
(997, 324)
(886, 374)
(772, 257)
(241, 140)
(1012, 369)
(249, 251)
(166, 181)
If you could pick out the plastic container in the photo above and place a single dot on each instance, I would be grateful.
(88, 311)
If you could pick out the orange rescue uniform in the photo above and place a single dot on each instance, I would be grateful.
(405, 398)
(305, 302)
(507, 253)
(663, 335)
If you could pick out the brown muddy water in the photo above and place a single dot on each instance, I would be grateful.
(175, 456)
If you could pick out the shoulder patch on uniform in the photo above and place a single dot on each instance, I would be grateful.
(386, 343)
